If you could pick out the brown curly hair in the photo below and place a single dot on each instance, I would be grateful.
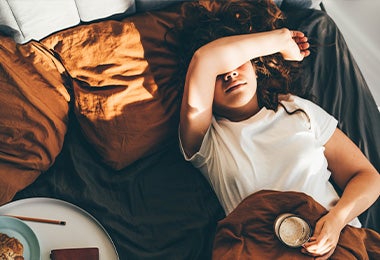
(204, 21)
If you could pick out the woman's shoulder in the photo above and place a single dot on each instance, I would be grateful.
(297, 102)
(314, 112)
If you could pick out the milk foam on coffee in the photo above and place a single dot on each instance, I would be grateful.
(292, 230)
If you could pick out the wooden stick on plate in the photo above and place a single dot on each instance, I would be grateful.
(41, 220)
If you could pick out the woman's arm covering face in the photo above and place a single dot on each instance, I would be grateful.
(360, 183)
(219, 57)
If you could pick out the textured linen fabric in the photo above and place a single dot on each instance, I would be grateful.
(33, 114)
(270, 150)
(124, 95)
(247, 233)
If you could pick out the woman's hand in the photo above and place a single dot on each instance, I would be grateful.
(302, 42)
(325, 238)
(297, 46)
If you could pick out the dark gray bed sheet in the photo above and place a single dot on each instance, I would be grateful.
(162, 208)
(158, 208)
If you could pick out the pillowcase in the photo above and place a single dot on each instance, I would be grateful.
(305, 4)
(125, 100)
(90, 10)
(148, 5)
(33, 114)
(26, 20)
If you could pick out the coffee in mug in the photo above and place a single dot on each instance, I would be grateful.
(292, 230)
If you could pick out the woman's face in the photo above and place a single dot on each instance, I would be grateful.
(235, 89)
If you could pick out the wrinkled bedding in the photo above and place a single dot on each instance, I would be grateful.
(248, 233)
(114, 151)
(32, 126)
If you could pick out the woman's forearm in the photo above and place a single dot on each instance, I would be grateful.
(230, 52)
(359, 194)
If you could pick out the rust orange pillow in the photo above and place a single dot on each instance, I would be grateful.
(33, 114)
(125, 100)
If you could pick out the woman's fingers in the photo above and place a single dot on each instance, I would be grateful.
(297, 34)
(304, 46)
(321, 256)
(301, 40)
(321, 248)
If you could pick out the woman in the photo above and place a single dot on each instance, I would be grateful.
(244, 128)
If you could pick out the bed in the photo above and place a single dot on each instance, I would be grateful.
(89, 115)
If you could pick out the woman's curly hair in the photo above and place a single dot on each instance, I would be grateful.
(204, 21)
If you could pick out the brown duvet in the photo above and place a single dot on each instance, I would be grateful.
(33, 113)
(247, 233)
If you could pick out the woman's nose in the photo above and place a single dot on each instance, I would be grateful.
(230, 75)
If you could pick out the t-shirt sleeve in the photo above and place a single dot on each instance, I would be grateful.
(198, 159)
(322, 123)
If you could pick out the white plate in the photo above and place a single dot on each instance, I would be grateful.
(81, 229)
(13, 227)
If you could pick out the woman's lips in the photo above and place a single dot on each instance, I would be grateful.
(234, 86)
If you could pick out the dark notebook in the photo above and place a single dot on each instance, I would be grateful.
(88, 253)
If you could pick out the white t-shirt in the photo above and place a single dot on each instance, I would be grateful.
(271, 150)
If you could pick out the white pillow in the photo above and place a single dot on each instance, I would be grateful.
(35, 19)
(90, 10)
(38, 18)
